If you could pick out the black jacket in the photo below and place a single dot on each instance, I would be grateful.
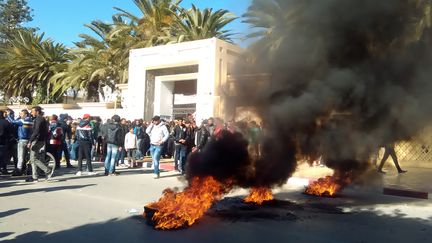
(179, 132)
(40, 130)
(203, 136)
(84, 132)
(6, 131)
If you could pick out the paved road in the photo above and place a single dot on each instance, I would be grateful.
(101, 209)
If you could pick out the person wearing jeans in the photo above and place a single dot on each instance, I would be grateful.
(114, 139)
(25, 127)
(159, 134)
(112, 152)
(85, 142)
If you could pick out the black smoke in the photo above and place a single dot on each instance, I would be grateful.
(344, 78)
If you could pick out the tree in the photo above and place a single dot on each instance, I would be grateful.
(28, 63)
(196, 24)
(154, 27)
(13, 13)
(97, 62)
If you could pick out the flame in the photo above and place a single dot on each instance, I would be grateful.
(179, 209)
(329, 185)
(326, 186)
(259, 195)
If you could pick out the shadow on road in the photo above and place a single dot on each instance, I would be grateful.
(12, 212)
(48, 189)
(310, 224)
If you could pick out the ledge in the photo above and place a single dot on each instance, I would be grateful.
(58, 106)
(97, 105)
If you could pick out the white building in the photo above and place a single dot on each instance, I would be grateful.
(173, 80)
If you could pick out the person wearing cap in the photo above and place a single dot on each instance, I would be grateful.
(159, 134)
(85, 142)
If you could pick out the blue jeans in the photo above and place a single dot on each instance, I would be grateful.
(155, 152)
(180, 156)
(139, 154)
(110, 158)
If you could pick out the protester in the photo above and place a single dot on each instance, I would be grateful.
(122, 153)
(159, 134)
(5, 136)
(130, 146)
(139, 131)
(25, 128)
(65, 139)
(13, 143)
(390, 151)
(188, 143)
(37, 145)
(114, 139)
(55, 139)
(179, 135)
(85, 143)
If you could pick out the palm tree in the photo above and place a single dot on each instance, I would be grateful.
(196, 24)
(154, 27)
(98, 62)
(27, 64)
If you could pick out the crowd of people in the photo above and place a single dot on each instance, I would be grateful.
(116, 142)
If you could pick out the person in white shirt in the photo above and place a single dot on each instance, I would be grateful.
(159, 134)
(130, 145)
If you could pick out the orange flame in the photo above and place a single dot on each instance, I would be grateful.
(259, 195)
(326, 186)
(175, 210)
(329, 185)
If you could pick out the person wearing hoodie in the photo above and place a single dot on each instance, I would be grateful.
(25, 128)
(66, 138)
(85, 142)
(115, 139)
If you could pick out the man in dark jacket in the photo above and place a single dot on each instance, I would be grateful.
(85, 140)
(5, 135)
(114, 138)
(66, 138)
(179, 135)
(37, 144)
(12, 146)
(139, 131)
(25, 128)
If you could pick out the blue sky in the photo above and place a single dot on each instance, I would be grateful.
(63, 20)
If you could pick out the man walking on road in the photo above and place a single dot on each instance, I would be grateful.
(159, 134)
(37, 144)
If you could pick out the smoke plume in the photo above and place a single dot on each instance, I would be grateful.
(344, 77)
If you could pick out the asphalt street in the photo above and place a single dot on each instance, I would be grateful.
(108, 209)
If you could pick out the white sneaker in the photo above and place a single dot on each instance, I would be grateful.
(92, 173)
(79, 173)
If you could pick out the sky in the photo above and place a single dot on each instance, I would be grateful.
(63, 20)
